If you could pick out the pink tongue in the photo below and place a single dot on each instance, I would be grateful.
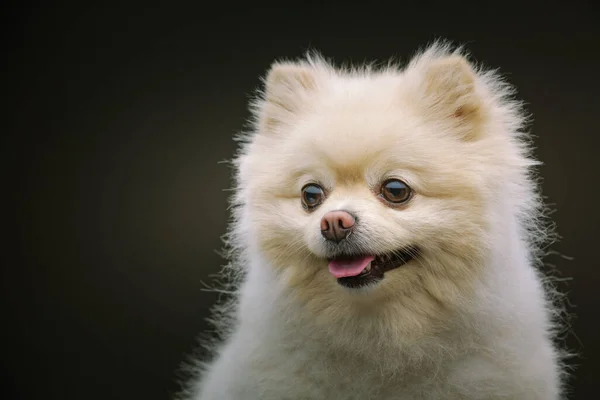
(349, 267)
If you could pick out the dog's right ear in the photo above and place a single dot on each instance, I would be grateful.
(288, 88)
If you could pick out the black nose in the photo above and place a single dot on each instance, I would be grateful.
(337, 225)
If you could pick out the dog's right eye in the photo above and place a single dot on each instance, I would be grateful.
(395, 191)
(312, 196)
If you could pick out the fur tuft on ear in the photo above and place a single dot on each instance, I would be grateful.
(288, 87)
(447, 86)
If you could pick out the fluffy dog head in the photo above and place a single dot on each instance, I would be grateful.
(422, 167)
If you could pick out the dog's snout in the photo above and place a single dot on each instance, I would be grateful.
(337, 225)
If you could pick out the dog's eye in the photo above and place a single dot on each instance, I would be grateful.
(395, 191)
(312, 195)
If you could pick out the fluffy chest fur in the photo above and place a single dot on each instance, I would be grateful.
(278, 352)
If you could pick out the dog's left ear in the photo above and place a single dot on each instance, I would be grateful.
(287, 92)
(448, 88)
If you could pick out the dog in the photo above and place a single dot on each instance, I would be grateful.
(385, 242)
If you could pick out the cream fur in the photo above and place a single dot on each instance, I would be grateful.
(470, 319)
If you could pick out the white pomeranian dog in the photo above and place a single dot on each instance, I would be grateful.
(386, 237)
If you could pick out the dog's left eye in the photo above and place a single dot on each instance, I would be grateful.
(312, 196)
(395, 191)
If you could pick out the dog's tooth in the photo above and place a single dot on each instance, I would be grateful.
(368, 267)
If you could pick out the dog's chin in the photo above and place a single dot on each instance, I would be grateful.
(357, 271)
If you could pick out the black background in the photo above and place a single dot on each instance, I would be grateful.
(114, 200)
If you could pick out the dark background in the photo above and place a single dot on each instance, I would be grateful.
(118, 116)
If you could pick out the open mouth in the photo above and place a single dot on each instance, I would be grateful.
(361, 270)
